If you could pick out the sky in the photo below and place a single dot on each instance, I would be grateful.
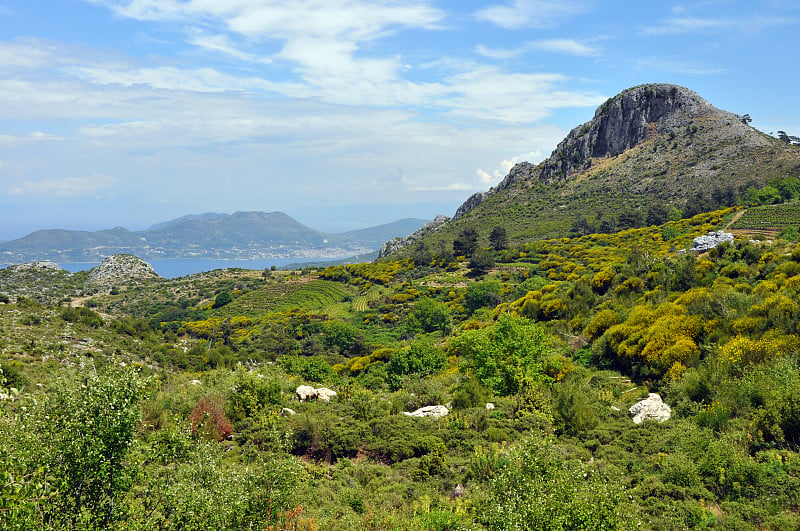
(341, 113)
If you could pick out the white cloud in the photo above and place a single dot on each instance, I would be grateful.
(354, 20)
(35, 136)
(170, 78)
(319, 41)
(66, 187)
(25, 55)
(222, 44)
(678, 66)
(563, 46)
(505, 166)
(677, 25)
(566, 46)
(452, 187)
(490, 94)
(531, 13)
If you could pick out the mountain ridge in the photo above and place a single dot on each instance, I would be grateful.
(650, 148)
(241, 235)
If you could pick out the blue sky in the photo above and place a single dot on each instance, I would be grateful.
(341, 113)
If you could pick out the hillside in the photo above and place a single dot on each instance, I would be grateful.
(296, 399)
(241, 235)
(645, 151)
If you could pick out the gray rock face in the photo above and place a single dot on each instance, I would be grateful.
(651, 408)
(472, 202)
(621, 123)
(395, 244)
(325, 395)
(121, 268)
(306, 392)
(704, 243)
(429, 411)
(41, 264)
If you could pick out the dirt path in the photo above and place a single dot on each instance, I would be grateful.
(78, 302)
(734, 219)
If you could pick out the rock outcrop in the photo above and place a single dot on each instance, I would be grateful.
(429, 411)
(121, 268)
(707, 242)
(651, 408)
(632, 117)
(306, 392)
(621, 123)
(40, 265)
(395, 244)
(325, 395)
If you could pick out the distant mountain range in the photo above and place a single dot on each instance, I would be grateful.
(241, 235)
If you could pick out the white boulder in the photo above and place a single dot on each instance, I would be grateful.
(704, 243)
(429, 411)
(651, 408)
(304, 392)
(325, 394)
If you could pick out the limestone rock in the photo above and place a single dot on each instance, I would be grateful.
(429, 411)
(396, 244)
(120, 268)
(489, 406)
(704, 243)
(41, 264)
(651, 408)
(324, 394)
(304, 392)
(625, 121)
(287, 412)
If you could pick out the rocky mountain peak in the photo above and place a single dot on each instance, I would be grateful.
(120, 268)
(622, 122)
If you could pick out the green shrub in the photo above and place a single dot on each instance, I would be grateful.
(537, 487)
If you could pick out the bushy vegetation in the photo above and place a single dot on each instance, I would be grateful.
(173, 404)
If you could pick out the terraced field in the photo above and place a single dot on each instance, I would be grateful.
(314, 295)
(769, 217)
(361, 303)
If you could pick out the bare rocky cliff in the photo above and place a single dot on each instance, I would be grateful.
(627, 120)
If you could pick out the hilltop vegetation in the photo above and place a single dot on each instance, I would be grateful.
(647, 152)
(163, 403)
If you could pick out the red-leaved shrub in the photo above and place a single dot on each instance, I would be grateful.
(209, 420)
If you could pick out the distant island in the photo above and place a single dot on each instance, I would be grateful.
(237, 236)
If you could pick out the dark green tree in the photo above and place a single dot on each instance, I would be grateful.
(223, 299)
(466, 242)
(499, 238)
(482, 260)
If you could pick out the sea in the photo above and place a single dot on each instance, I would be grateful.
(180, 267)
